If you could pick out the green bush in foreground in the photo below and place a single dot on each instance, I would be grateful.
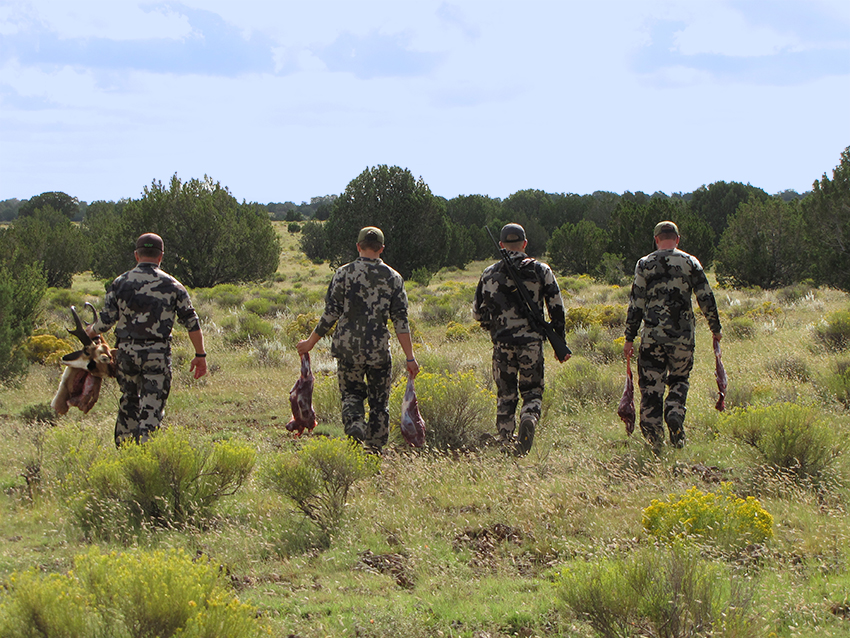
(670, 593)
(319, 476)
(170, 481)
(135, 594)
(722, 518)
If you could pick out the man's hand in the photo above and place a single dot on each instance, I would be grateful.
(198, 366)
(628, 349)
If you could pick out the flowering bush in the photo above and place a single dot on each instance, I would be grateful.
(46, 349)
(135, 594)
(723, 518)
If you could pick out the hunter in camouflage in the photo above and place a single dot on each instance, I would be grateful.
(517, 343)
(143, 305)
(660, 298)
(362, 297)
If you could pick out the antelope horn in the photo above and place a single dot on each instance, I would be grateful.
(79, 332)
(93, 313)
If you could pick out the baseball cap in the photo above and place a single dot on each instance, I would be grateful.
(665, 227)
(149, 240)
(370, 232)
(512, 233)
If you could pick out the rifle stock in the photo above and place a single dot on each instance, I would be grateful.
(532, 311)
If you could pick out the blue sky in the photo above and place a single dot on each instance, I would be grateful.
(282, 100)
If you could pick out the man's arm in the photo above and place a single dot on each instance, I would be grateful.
(407, 345)
(199, 363)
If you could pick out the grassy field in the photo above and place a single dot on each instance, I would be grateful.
(478, 543)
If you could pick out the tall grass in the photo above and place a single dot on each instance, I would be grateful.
(456, 542)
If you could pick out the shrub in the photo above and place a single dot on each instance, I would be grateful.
(789, 367)
(457, 331)
(301, 326)
(224, 295)
(171, 480)
(318, 478)
(34, 604)
(786, 436)
(597, 344)
(246, 328)
(836, 385)
(260, 306)
(455, 408)
(46, 349)
(834, 331)
(421, 276)
(671, 593)
(581, 384)
(137, 594)
(722, 518)
(742, 327)
(39, 413)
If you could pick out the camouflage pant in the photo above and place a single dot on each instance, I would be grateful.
(144, 376)
(359, 383)
(660, 365)
(517, 367)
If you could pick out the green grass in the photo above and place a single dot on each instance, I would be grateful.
(465, 544)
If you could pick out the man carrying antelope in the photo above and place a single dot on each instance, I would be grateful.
(142, 305)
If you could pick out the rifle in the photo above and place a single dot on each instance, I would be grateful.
(532, 310)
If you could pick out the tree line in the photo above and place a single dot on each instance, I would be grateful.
(751, 238)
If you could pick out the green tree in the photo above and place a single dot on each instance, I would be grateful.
(313, 242)
(111, 254)
(47, 237)
(577, 248)
(827, 213)
(9, 209)
(718, 201)
(763, 245)
(209, 237)
(22, 287)
(413, 220)
(460, 246)
(57, 200)
(566, 208)
(631, 228)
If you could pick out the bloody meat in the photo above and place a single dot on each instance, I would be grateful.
(301, 400)
(412, 423)
(626, 409)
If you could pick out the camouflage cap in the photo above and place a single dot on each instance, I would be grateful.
(149, 240)
(370, 232)
(512, 233)
(665, 227)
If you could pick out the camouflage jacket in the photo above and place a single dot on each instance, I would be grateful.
(661, 298)
(143, 305)
(362, 296)
(499, 308)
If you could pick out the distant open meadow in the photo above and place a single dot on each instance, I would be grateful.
(228, 525)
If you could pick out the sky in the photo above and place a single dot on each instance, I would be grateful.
(284, 100)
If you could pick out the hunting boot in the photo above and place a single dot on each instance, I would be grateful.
(526, 435)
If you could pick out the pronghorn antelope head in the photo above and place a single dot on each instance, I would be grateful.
(80, 384)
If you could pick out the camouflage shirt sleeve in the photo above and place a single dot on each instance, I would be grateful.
(144, 303)
(362, 298)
